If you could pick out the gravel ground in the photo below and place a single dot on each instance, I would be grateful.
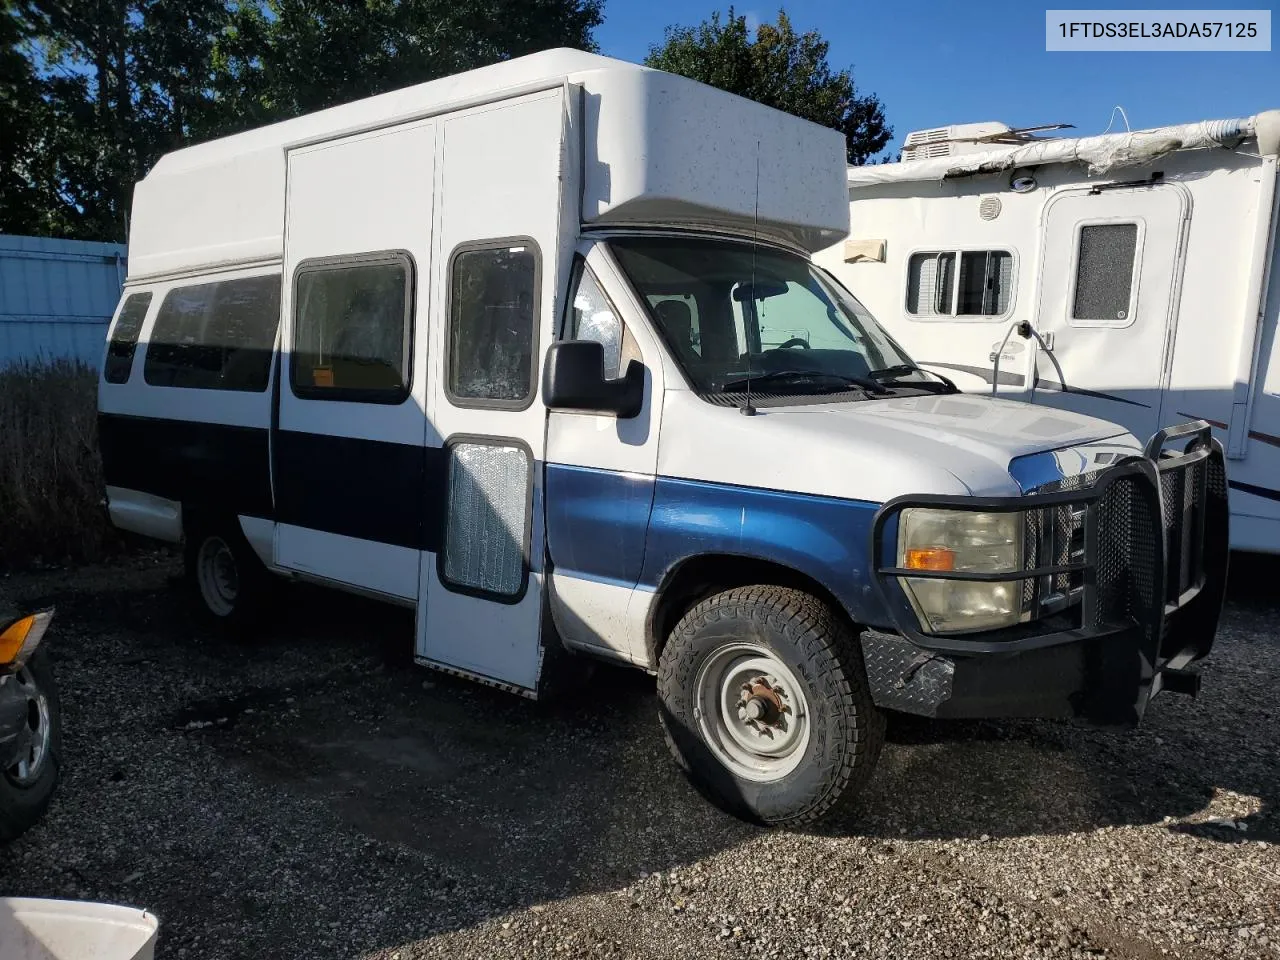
(316, 795)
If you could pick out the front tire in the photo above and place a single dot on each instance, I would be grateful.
(27, 785)
(765, 705)
(229, 582)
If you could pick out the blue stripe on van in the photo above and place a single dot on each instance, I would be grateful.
(596, 522)
(633, 530)
(827, 538)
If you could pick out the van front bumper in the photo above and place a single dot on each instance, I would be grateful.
(1146, 589)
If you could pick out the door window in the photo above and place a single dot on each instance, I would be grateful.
(487, 533)
(216, 336)
(594, 317)
(124, 338)
(493, 323)
(353, 329)
(1106, 261)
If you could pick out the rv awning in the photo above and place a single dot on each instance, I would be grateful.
(1100, 154)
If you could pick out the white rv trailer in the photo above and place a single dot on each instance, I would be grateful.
(539, 351)
(1143, 261)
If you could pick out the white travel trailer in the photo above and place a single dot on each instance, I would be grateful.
(539, 351)
(1141, 261)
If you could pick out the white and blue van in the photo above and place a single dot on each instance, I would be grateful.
(539, 351)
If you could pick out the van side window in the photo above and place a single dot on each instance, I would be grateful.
(493, 323)
(593, 317)
(216, 336)
(353, 330)
(1105, 264)
(124, 338)
(960, 283)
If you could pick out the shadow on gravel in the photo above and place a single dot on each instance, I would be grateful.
(263, 788)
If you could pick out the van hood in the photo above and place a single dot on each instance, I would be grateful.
(879, 449)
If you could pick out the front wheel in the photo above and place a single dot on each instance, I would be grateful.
(32, 747)
(765, 705)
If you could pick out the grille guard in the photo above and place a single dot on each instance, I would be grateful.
(1155, 557)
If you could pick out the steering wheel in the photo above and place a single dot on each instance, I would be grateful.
(793, 342)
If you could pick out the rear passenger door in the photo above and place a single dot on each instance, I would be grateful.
(349, 447)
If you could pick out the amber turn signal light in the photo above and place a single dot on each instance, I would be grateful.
(930, 558)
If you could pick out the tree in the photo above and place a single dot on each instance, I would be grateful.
(779, 68)
(92, 94)
(285, 57)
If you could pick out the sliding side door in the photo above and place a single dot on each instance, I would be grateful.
(349, 445)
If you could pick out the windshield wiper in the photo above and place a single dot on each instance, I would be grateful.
(824, 382)
(893, 373)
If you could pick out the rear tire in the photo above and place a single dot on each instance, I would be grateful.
(230, 584)
(765, 705)
(27, 786)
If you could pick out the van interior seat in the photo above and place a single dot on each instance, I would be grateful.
(677, 320)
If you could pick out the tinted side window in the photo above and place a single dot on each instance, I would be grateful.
(985, 280)
(216, 336)
(1104, 272)
(353, 329)
(493, 317)
(124, 338)
(246, 317)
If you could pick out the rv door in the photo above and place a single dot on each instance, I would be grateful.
(1111, 272)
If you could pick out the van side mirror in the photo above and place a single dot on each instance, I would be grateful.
(573, 379)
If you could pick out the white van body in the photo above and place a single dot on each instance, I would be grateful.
(485, 347)
(1192, 209)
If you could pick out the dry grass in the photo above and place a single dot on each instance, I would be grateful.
(51, 494)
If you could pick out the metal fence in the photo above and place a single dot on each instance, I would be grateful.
(57, 297)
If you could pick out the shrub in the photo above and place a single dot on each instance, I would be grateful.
(51, 492)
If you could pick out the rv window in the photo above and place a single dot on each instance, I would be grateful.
(981, 287)
(216, 336)
(984, 283)
(1104, 273)
(493, 316)
(352, 330)
(124, 338)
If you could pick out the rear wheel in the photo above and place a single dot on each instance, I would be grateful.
(765, 705)
(230, 583)
(35, 753)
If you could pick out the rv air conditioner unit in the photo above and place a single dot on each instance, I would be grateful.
(951, 141)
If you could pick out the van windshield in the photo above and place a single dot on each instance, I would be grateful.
(731, 313)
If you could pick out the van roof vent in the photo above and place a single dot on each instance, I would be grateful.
(963, 138)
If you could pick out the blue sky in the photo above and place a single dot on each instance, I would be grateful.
(933, 64)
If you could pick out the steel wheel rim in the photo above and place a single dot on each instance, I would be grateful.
(33, 739)
(752, 712)
(218, 578)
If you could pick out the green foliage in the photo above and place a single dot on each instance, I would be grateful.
(91, 95)
(780, 68)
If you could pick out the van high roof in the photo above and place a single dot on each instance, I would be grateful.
(654, 148)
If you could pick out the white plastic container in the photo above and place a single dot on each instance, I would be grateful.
(32, 929)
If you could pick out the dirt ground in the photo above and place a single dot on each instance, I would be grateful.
(314, 794)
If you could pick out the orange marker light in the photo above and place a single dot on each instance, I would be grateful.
(11, 640)
(930, 558)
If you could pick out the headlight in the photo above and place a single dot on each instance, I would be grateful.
(962, 541)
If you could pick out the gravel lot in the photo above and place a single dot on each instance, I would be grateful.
(316, 795)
